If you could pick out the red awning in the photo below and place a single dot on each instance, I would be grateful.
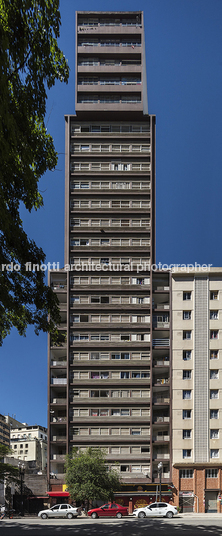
(58, 493)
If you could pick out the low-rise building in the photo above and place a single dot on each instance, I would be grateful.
(29, 443)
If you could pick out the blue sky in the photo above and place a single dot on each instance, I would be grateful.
(184, 75)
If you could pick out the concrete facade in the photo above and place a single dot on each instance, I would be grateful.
(196, 387)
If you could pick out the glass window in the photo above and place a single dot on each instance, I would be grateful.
(186, 434)
(214, 334)
(186, 394)
(186, 374)
(187, 355)
(214, 374)
(214, 434)
(214, 315)
(186, 453)
(186, 413)
(186, 315)
(186, 473)
(187, 334)
(214, 295)
(214, 414)
(214, 354)
(214, 453)
(186, 295)
(214, 393)
(211, 473)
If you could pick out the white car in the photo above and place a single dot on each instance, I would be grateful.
(60, 510)
(156, 509)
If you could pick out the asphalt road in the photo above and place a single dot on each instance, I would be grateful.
(186, 526)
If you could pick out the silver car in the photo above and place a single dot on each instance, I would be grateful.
(158, 509)
(60, 510)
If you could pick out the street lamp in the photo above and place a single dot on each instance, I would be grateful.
(21, 467)
(160, 468)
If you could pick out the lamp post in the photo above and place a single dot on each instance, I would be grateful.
(21, 467)
(160, 468)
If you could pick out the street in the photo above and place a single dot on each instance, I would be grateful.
(189, 525)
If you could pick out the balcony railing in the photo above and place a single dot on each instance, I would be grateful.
(161, 400)
(58, 363)
(59, 457)
(59, 419)
(59, 401)
(161, 418)
(59, 381)
(161, 381)
(59, 438)
(161, 456)
(161, 342)
(161, 438)
(162, 362)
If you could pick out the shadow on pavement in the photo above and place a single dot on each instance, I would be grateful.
(137, 527)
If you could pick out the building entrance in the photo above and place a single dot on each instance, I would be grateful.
(186, 503)
(211, 501)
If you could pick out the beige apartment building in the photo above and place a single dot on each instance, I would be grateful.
(196, 298)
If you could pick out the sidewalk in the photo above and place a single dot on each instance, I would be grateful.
(202, 515)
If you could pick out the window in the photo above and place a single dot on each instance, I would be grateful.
(214, 315)
(214, 434)
(214, 453)
(187, 394)
(214, 374)
(186, 434)
(186, 374)
(214, 295)
(186, 453)
(211, 473)
(124, 375)
(186, 334)
(186, 413)
(214, 393)
(186, 473)
(124, 468)
(186, 296)
(186, 315)
(214, 414)
(214, 354)
(187, 355)
(214, 334)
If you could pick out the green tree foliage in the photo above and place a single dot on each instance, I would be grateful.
(87, 477)
(30, 64)
(8, 473)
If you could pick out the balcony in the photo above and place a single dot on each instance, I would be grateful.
(59, 381)
(161, 456)
(59, 438)
(58, 363)
(161, 381)
(161, 438)
(161, 400)
(59, 419)
(161, 342)
(59, 457)
(160, 418)
(59, 401)
(161, 363)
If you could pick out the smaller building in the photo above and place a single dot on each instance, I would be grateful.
(29, 443)
(196, 298)
(4, 431)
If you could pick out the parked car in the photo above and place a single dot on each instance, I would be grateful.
(156, 509)
(111, 509)
(60, 510)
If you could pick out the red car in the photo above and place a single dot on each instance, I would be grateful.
(113, 510)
